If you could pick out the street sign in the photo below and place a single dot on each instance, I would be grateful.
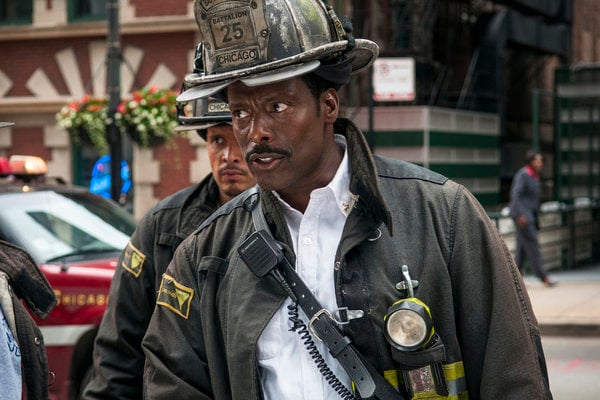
(394, 79)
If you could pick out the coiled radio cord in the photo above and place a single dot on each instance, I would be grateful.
(300, 327)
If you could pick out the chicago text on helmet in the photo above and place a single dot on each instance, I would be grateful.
(234, 57)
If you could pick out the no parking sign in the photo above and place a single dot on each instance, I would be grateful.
(394, 79)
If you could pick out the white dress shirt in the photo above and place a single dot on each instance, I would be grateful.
(287, 371)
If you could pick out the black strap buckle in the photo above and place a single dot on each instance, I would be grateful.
(322, 311)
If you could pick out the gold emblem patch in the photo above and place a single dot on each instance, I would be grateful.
(175, 296)
(133, 260)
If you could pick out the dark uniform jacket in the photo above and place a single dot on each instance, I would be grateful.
(118, 356)
(27, 283)
(202, 340)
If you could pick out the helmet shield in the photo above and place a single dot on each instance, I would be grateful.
(206, 112)
(273, 39)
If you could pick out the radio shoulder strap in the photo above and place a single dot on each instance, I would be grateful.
(368, 381)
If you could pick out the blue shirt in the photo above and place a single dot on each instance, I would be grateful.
(10, 360)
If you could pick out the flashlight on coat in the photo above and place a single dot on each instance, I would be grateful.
(415, 345)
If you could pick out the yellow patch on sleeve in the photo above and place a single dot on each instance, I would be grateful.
(133, 260)
(175, 296)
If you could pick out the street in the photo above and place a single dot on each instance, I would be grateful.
(573, 367)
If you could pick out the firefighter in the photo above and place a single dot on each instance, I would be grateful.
(305, 290)
(118, 357)
(22, 350)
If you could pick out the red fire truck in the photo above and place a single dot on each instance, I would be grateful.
(76, 238)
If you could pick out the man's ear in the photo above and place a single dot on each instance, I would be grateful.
(330, 105)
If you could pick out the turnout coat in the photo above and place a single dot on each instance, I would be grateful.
(211, 309)
(118, 356)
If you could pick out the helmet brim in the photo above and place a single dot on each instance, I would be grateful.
(257, 79)
(199, 125)
(360, 57)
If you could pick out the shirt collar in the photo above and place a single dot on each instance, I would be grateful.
(531, 172)
(339, 185)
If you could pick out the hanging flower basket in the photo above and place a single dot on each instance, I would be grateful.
(145, 138)
(150, 117)
(86, 122)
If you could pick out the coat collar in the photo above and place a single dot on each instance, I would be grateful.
(364, 180)
(199, 204)
(27, 280)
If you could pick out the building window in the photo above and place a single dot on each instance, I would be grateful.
(87, 10)
(15, 12)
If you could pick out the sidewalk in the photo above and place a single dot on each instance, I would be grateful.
(571, 308)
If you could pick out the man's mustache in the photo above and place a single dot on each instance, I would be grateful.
(265, 149)
(230, 168)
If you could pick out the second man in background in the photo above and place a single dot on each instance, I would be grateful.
(118, 356)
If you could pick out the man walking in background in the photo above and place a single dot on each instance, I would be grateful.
(524, 205)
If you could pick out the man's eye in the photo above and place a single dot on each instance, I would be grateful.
(240, 114)
(218, 140)
(279, 107)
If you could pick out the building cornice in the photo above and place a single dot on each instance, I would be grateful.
(32, 105)
(145, 25)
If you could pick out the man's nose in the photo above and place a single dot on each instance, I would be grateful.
(232, 153)
(259, 130)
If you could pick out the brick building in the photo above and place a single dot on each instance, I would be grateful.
(55, 51)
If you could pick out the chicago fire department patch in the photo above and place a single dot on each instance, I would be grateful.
(133, 260)
(175, 296)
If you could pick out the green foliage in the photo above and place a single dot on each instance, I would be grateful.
(86, 121)
(149, 117)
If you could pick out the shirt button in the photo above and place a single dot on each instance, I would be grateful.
(307, 241)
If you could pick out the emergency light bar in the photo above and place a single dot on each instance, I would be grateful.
(23, 167)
